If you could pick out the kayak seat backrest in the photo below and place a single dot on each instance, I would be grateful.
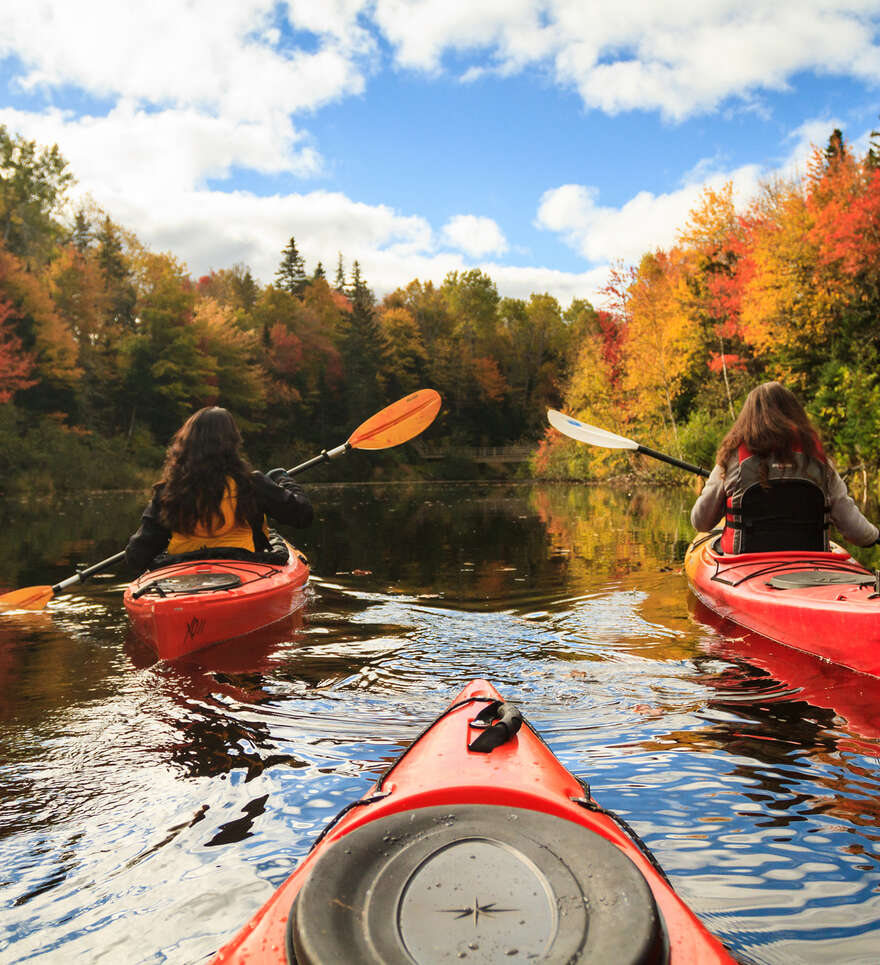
(276, 554)
(788, 516)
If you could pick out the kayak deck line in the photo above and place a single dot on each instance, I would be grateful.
(178, 570)
(191, 604)
(830, 567)
(822, 603)
(477, 847)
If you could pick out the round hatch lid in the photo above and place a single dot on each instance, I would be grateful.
(475, 884)
(196, 583)
(802, 578)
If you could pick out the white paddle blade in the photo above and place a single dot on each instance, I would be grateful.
(584, 432)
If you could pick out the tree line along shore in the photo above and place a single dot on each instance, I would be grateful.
(106, 346)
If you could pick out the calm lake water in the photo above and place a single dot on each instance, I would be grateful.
(148, 809)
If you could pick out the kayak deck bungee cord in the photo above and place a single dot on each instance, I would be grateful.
(192, 604)
(823, 603)
(476, 845)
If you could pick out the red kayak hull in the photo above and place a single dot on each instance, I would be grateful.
(837, 621)
(180, 623)
(439, 769)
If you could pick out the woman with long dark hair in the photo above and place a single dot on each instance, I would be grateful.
(209, 498)
(773, 484)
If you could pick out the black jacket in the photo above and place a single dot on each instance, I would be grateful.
(284, 501)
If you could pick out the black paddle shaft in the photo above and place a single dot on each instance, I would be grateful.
(89, 571)
(674, 462)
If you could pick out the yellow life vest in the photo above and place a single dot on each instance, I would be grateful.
(225, 532)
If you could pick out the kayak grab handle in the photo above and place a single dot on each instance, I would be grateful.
(499, 721)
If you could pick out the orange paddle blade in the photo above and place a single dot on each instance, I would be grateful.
(30, 598)
(398, 422)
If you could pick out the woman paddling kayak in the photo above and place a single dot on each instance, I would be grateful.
(773, 484)
(209, 497)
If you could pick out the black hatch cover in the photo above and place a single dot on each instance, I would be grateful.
(474, 884)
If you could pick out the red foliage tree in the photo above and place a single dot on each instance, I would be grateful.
(15, 365)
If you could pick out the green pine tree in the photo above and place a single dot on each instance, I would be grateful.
(81, 236)
(363, 349)
(291, 274)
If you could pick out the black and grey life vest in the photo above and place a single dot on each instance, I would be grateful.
(792, 514)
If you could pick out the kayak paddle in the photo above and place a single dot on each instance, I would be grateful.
(391, 426)
(36, 597)
(583, 432)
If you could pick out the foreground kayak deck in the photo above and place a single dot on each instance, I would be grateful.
(826, 604)
(186, 606)
(476, 845)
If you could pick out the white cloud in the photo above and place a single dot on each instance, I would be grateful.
(677, 57)
(645, 222)
(474, 235)
(421, 31)
(237, 59)
(200, 90)
(648, 221)
(224, 58)
(130, 150)
(804, 139)
(518, 282)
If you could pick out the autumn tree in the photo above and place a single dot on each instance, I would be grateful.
(237, 377)
(166, 375)
(302, 363)
(406, 359)
(43, 335)
(717, 264)
(33, 184)
(660, 341)
(15, 365)
(233, 287)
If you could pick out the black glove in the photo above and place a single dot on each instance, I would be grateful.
(280, 478)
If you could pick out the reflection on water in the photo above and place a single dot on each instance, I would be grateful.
(147, 809)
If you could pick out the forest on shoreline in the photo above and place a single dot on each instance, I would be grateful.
(106, 346)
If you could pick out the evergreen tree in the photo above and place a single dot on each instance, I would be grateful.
(117, 279)
(339, 284)
(81, 236)
(363, 350)
(319, 272)
(291, 274)
(359, 292)
(872, 158)
(244, 287)
(836, 145)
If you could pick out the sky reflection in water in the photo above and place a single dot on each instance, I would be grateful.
(149, 808)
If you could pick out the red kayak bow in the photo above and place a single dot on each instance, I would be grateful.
(476, 845)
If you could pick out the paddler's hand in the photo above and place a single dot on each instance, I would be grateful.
(280, 478)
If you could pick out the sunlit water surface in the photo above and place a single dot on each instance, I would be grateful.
(148, 809)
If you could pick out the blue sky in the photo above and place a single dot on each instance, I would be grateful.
(539, 141)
